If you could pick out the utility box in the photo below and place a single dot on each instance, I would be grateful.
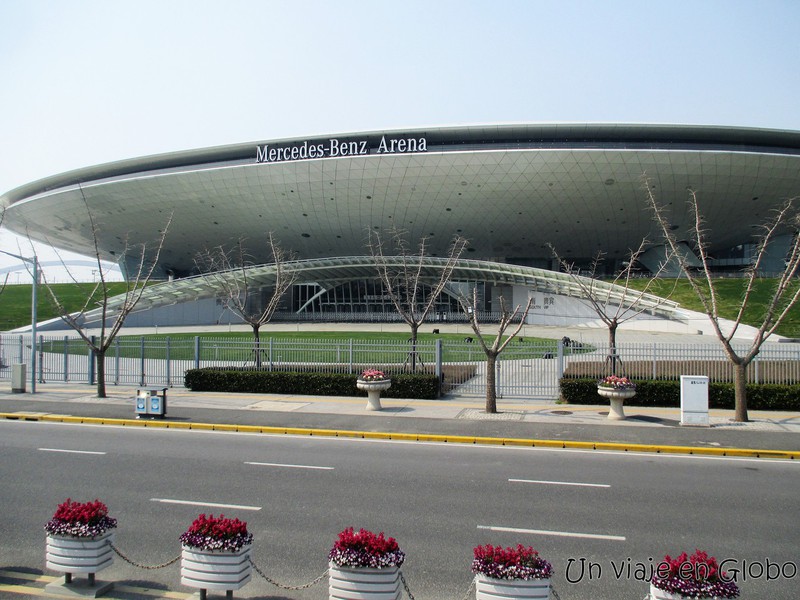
(151, 403)
(694, 400)
(18, 376)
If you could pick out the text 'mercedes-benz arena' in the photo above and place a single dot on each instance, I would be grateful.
(511, 190)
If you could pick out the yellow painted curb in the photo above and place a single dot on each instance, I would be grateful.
(412, 437)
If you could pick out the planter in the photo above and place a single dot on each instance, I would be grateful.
(374, 389)
(215, 569)
(363, 583)
(616, 396)
(489, 588)
(659, 594)
(70, 554)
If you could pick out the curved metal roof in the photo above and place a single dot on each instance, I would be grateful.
(509, 189)
(330, 272)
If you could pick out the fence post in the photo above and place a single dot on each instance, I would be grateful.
(66, 358)
(141, 362)
(655, 368)
(41, 359)
(755, 376)
(91, 360)
(166, 352)
(116, 361)
(438, 359)
(270, 354)
(350, 359)
(197, 352)
(21, 350)
(560, 363)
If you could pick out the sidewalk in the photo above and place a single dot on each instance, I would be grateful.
(452, 418)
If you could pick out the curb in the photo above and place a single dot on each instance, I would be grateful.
(410, 437)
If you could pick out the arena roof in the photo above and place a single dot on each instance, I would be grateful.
(330, 272)
(508, 189)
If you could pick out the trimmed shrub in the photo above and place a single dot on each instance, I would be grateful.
(668, 393)
(232, 379)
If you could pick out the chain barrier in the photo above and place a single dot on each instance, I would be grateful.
(554, 592)
(286, 587)
(405, 586)
(468, 595)
(139, 565)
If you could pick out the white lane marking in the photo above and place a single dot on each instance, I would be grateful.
(208, 504)
(70, 451)
(597, 485)
(265, 464)
(593, 536)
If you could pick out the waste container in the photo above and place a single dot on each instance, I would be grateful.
(18, 378)
(151, 403)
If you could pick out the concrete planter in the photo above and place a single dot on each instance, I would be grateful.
(374, 389)
(616, 397)
(489, 588)
(363, 583)
(71, 554)
(217, 569)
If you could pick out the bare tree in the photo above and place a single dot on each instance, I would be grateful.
(99, 301)
(606, 301)
(785, 293)
(402, 277)
(497, 345)
(230, 272)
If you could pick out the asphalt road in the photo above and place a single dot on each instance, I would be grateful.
(439, 501)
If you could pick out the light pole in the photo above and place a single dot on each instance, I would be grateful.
(35, 272)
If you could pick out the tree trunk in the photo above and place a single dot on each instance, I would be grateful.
(612, 346)
(740, 391)
(491, 389)
(414, 330)
(100, 358)
(257, 345)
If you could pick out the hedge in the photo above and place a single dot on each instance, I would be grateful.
(232, 379)
(668, 393)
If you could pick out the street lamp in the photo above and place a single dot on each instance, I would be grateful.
(35, 272)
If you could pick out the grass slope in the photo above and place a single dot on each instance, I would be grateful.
(15, 301)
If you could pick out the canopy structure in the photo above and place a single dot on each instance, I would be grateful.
(330, 272)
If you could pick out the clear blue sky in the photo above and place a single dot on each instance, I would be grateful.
(88, 82)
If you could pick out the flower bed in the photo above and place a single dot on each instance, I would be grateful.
(510, 563)
(365, 549)
(613, 382)
(695, 576)
(80, 519)
(211, 533)
(373, 375)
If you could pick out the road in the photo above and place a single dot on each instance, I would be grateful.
(617, 512)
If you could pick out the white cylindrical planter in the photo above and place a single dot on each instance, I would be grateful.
(616, 397)
(71, 554)
(657, 594)
(489, 588)
(216, 569)
(374, 389)
(363, 583)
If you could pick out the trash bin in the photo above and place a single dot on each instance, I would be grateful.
(151, 403)
(18, 378)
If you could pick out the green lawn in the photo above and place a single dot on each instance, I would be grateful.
(15, 302)
(730, 293)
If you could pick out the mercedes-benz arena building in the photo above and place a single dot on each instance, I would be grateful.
(509, 189)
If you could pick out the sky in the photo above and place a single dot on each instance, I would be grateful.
(90, 82)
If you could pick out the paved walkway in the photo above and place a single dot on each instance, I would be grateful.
(454, 418)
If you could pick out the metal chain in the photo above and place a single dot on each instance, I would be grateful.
(554, 592)
(405, 586)
(286, 587)
(471, 587)
(141, 566)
